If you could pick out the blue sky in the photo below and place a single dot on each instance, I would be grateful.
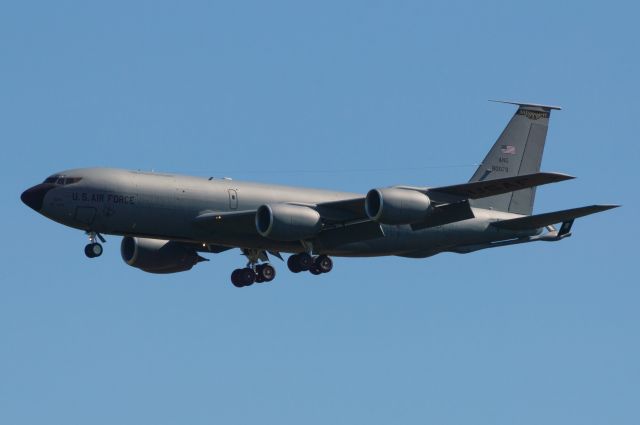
(342, 95)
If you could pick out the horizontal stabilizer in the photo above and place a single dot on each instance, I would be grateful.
(547, 219)
(486, 188)
(527, 105)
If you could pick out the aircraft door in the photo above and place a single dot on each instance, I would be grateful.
(233, 199)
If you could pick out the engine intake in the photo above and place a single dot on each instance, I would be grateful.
(397, 206)
(285, 222)
(158, 256)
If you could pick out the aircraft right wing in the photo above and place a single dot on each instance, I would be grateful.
(450, 203)
(449, 200)
(343, 211)
(234, 221)
(345, 222)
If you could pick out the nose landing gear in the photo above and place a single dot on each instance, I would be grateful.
(93, 249)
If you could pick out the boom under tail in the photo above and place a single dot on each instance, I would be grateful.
(517, 151)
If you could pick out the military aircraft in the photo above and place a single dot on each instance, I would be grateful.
(169, 220)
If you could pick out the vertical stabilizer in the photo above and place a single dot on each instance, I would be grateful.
(517, 151)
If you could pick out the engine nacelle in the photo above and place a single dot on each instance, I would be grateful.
(285, 222)
(397, 206)
(158, 256)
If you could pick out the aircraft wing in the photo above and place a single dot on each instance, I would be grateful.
(345, 222)
(349, 233)
(547, 219)
(234, 221)
(486, 188)
(346, 210)
(352, 210)
(343, 212)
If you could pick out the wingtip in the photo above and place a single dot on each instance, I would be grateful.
(559, 176)
(609, 206)
(566, 176)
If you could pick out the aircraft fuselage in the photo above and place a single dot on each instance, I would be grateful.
(164, 206)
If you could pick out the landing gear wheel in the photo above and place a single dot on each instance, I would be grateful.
(305, 261)
(93, 250)
(267, 272)
(315, 270)
(324, 264)
(247, 276)
(292, 263)
(235, 278)
(259, 277)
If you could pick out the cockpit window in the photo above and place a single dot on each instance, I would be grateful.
(62, 180)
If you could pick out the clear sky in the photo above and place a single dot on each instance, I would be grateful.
(342, 95)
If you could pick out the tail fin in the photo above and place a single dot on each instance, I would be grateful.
(517, 151)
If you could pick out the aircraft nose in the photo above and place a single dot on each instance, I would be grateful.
(34, 196)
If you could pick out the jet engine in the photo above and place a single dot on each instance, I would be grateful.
(158, 256)
(285, 222)
(397, 206)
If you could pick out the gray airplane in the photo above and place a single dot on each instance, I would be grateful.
(168, 220)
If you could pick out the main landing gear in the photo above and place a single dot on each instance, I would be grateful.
(254, 272)
(250, 275)
(305, 262)
(93, 249)
(259, 270)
